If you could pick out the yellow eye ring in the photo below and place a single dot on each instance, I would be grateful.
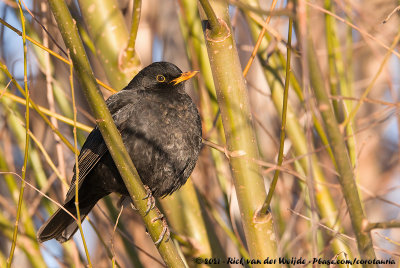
(160, 78)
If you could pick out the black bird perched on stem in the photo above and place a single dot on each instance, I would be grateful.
(161, 130)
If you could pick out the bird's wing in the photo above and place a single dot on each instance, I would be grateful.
(94, 147)
(121, 99)
(92, 151)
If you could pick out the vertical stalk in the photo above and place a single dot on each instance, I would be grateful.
(338, 78)
(24, 167)
(129, 56)
(78, 213)
(197, 52)
(109, 33)
(342, 159)
(326, 206)
(237, 122)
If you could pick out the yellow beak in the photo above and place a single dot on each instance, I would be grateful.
(183, 77)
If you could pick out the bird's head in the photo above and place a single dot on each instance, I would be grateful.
(160, 76)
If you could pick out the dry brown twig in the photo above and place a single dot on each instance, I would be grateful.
(391, 14)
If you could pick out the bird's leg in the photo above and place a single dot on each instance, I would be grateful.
(165, 232)
(151, 202)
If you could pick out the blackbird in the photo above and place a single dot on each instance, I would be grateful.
(161, 129)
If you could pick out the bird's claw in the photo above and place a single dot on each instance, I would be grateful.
(151, 202)
(165, 232)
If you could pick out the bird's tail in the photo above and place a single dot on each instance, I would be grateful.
(61, 225)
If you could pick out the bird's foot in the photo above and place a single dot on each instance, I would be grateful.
(151, 202)
(165, 232)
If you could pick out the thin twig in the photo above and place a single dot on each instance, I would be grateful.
(361, 31)
(51, 52)
(50, 95)
(113, 233)
(40, 192)
(45, 111)
(34, 106)
(128, 238)
(258, 43)
(382, 225)
(369, 100)
(43, 150)
(267, 202)
(44, 29)
(353, 112)
(77, 178)
(277, 12)
(391, 14)
(24, 167)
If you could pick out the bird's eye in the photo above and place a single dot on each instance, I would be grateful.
(160, 78)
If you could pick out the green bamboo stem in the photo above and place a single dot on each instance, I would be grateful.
(130, 56)
(197, 52)
(33, 254)
(295, 132)
(109, 33)
(330, 31)
(86, 38)
(349, 49)
(19, 131)
(43, 56)
(293, 81)
(236, 118)
(16, 125)
(343, 163)
(326, 205)
(193, 35)
(337, 76)
(109, 131)
(24, 167)
(24, 244)
(184, 209)
(216, 28)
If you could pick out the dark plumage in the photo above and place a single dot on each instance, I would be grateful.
(161, 129)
